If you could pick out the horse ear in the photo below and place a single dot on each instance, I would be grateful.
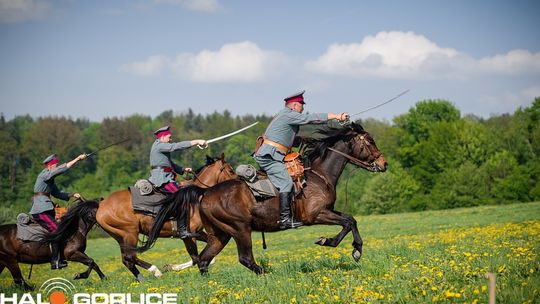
(209, 159)
(223, 156)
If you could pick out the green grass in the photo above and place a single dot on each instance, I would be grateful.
(434, 256)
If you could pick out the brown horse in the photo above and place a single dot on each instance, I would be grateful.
(230, 210)
(116, 216)
(71, 231)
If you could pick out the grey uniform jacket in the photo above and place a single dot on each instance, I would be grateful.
(45, 183)
(283, 128)
(160, 158)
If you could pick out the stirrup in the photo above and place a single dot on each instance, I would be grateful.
(287, 224)
(58, 264)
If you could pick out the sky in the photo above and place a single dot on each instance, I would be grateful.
(97, 59)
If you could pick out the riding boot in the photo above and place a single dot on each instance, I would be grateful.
(183, 232)
(56, 261)
(285, 217)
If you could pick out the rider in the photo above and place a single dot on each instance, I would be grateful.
(43, 209)
(164, 170)
(278, 139)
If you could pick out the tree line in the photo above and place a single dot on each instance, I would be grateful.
(437, 158)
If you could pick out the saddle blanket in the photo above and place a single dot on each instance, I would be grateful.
(28, 230)
(260, 186)
(148, 204)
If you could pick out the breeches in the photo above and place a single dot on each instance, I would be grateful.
(277, 172)
(170, 187)
(46, 220)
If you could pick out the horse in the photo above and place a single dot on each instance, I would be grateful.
(229, 209)
(116, 216)
(71, 232)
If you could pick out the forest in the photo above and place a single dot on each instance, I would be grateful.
(438, 158)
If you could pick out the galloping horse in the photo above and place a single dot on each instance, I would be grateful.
(71, 231)
(116, 216)
(229, 209)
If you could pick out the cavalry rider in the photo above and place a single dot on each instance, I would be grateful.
(164, 170)
(278, 140)
(43, 209)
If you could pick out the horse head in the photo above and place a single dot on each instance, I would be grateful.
(216, 170)
(351, 142)
(362, 147)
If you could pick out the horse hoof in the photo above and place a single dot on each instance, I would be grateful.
(356, 255)
(77, 276)
(167, 268)
(140, 278)
(321, 241)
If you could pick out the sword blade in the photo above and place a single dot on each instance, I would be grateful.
(232, 133)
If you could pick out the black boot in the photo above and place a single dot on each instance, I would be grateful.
(183, 232)
(56, 261)
(285, 218)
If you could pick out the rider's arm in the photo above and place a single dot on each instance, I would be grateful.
(59, 194)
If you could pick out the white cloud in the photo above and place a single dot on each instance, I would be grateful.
(235, 62)
(152, 66)
(513, 63)
(12, 11)
(403, 55)
(194, 5)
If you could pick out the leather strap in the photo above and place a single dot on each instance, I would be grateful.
(42, 193)
(165, 168)
(280, 147)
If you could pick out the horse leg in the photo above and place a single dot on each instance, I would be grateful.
(15, 270)
(245, 250)
(215, 244)
(348, 223)
(82, 258)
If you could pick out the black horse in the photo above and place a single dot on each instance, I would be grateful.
(229, 209)
(71, 233)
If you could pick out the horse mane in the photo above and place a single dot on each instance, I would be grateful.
(85, 210)
(209, 160)
(317, 146)
(173, 206)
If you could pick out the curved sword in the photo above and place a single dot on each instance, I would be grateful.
(381, 104)
(228, 134)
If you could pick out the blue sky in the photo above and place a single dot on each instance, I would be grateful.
(98, 59)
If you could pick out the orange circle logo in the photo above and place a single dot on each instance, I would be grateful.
(57, 297)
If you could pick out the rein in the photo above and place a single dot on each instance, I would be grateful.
(352, 159)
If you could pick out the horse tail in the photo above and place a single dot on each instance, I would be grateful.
(69, 224)
(173, 206)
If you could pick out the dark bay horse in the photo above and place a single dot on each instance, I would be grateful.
(230, 210)
(116, 216)
(71, 231)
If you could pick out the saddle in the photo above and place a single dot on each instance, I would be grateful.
(260, 185)
(28, 230)
(144, 198)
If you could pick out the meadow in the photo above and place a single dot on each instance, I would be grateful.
(424, 257)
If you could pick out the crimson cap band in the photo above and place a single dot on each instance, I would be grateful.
(298, 97)
(162, 131)
(51, 160)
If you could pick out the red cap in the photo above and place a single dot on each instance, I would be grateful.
(298, 97)
(163, 133)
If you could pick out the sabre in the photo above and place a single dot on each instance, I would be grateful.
(388, 101)
(228, 135)
(106, 147)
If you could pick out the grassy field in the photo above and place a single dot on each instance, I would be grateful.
(435, 256)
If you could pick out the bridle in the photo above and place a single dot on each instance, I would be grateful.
(204, 184)
(372, 166)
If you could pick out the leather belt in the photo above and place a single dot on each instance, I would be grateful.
(42, 193)
(280, 147)
(165, 168)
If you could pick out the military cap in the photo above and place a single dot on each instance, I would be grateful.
(298, 97)
(162, 131)
(51, 159)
